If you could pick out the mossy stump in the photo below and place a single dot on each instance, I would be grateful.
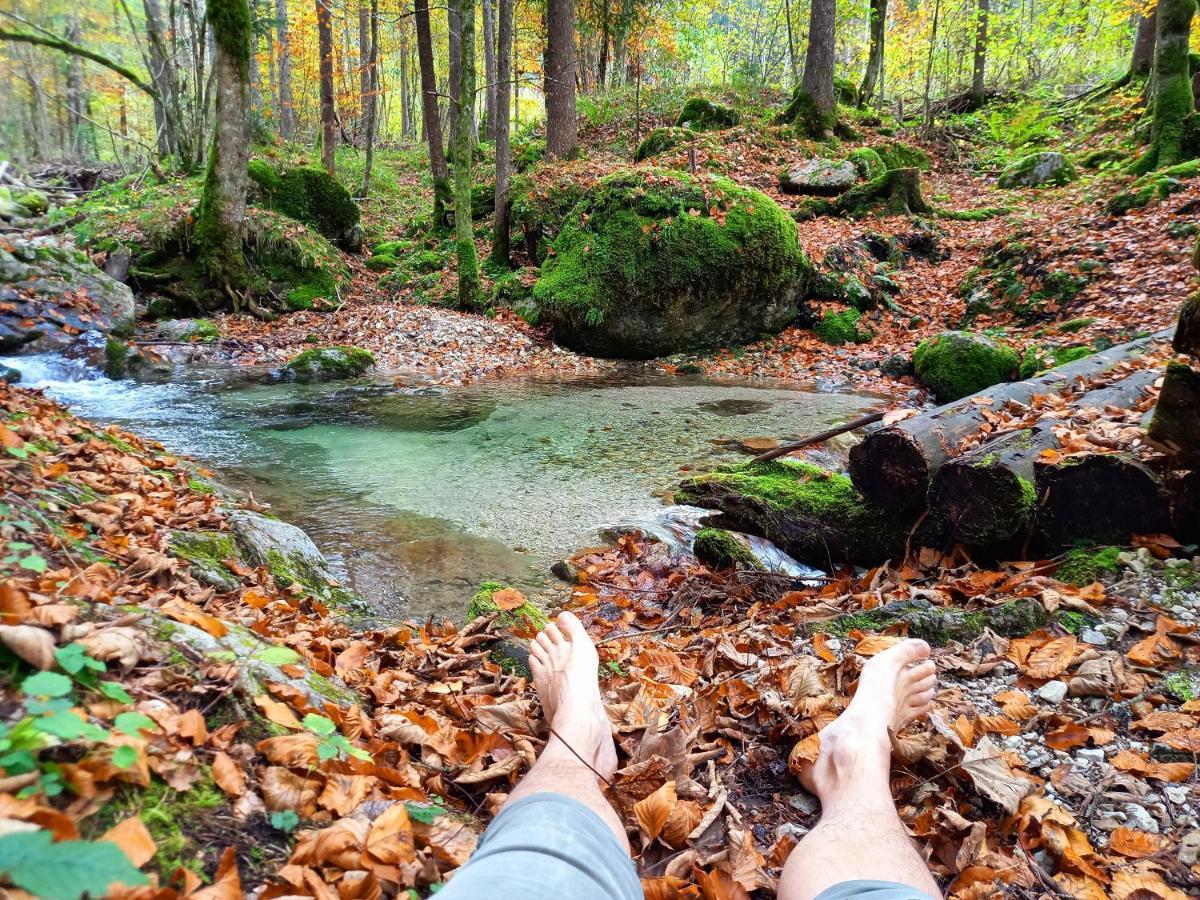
(896, 192)
(311, 196)
(701, 114)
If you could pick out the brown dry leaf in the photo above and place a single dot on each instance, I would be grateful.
(804, 753)
(1187, 740)
(133, 837)
(279, 713)
(1051, 660)
(1016, 705)
(126, 646)
(653, 812)
(1142, 882)
(296, 751)
(227, 885)
(719, 885)
(284, 789)
(352, 657)
(191, 614)
(1067, 737)
(191, 726)
(450, 841)
(1159, 647)
(669, 888)
(508, 599)
(875, 643)
(34, 645)
(1134, 844)
(343, 793)
(228, 774)
(992, 777)
(390, 840)
(340, 844)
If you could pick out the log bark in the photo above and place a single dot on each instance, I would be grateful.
(1187, 332)
(1097, 498)
(1176, 422)
(1183, 489)
(893, 466)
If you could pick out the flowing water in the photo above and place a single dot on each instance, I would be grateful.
(417, 495)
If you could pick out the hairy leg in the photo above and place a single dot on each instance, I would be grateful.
(565, 667)
(860, 835)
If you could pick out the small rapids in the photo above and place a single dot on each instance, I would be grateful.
(418, 494)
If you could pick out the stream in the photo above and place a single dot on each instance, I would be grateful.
(418, 494)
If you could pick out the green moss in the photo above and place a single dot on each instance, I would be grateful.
(700, 114)
(528, 153)
(1184, 686)
(308, 195)
(393, 248)
(955, 364)
(1039, 358)
(1076, 325)
(1036, 169)
(1084, 565)
(660, 140)
(941, 626)
(845, 91)
(1157, 185)
(329, 363)
(206, 552)
(804, 116)
(898, 155)
(867, 162)
(426, 261)
(33, 202)
(526, 617)
(839, 328)
(381, 262)
(721, 549)
(1097, 158)
(116, 358)
(1173, 105)
(645, 237)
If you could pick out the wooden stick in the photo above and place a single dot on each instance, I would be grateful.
(819, 438)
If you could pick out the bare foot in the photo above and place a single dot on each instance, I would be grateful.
(565, 667)
(896, 687)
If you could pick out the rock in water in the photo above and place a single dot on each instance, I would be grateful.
(49, 293)
(653, 263)
(820, 178)
(1038, 168)
(955, 364)
(329, 364)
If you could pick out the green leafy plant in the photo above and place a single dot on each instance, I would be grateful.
(21, 555)
(331, 743)
(284, 820)
(65, 870)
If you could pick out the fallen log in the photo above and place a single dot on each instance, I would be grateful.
(936, 624)
(1097, 498)
(987, 496)
(893, 466)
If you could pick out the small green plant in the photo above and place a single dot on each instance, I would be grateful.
(332, 744)
(64, 870)
(22, 555)
(285, 820)
(425, 813)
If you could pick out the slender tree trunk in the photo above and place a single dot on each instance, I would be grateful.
(287, 107)
(454, 49)
(76, 99)
(605, 37)
(371, 98)
(431, 124)
(328, 113)
(1143, 44)
(504, 53)
(223, 200)
(818, 67)
(792, 61)
(872, 77)
(468, 264)
(979, 68)
(489, 66)
(406, 122)
(271, 93)
(364, 65)
(937, 9)
(562, 132)
(256, 91)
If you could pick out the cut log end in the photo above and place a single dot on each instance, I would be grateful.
(981, 504)
(1098, 498)
(890, 469)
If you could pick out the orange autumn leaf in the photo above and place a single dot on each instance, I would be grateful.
(719, 885)
(1067, 737)
(227, 885)
(1016, 705)
(508, 599)
(134, 839)
(1134, 844)
(390, 840)
(873, 644)
(1159, 647)
(804, 753)
(277, 712)
(1051, 660)
(669, 888)
(1141, 882)
(191, 726)
(821, 647)
(228, 774)
(653, 811)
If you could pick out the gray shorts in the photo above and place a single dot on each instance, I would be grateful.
(548, 845)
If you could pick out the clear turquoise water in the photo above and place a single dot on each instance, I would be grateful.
(417, 496)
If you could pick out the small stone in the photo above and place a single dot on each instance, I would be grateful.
(1118, 615)
(565, 571)
(1091, 754)
(1176, 793)
(1053, 692)
(806, 803)
(792, 830)
(1094, 637)
(1139, 819)
(834, 644)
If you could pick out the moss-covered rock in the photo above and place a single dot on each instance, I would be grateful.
(1040, 357)
(540, 213)
(701, 114)
(528, 617)
(329, 364)
(816, 517)
(1036, 169)
(289, 554)
(955, 364)
(1154, 186)
(895, 192)
(899, 155)
(940, 626)
(200, 331)
(311, 196)
(658, 141)
(721, 549)
(867, 162)
(652, 263)
(1083, 565)
(819, 178)
(207, 553)
(839, 328)
(32, 202)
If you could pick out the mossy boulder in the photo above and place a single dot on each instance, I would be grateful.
(1083, 565)
(819, 177)
(1040, 357)
(1048, 167)
(845, 91)
(32, 202)
(311, 196)
(938, 625)
(658, 141)
(721, 549)
(955, 364)
(289, 554)
(701, 114)
(839, 328)
(528, 617)
(815, 516)
(867, 162)
(329, 364)
(200, 331)
(1153, 186)
(208, 553)
(652, 263)
(899, 155)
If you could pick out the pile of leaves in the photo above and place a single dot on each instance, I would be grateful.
(380, 783)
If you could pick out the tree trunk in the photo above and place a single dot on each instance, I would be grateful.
(978, 70)
(371, 97)
(818, 61)
(1176, 425)
(893, 466)
(793, 63)
(468, 264)
(429, 112)
(328, 113)
(454, 49)
(406, 117)
(489, 66)
(76, 99)
(605, 37)
(933, 35)
(287, 108)
(1172, 98)
(256, 92)
(222, 208)
(504, 53)
(562, 133)
(871, 80)
(1143, 44)
(271, 93)
(364, 66)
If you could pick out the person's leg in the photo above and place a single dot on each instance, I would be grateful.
(565, 669)
(556, 836)
(860, 837)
